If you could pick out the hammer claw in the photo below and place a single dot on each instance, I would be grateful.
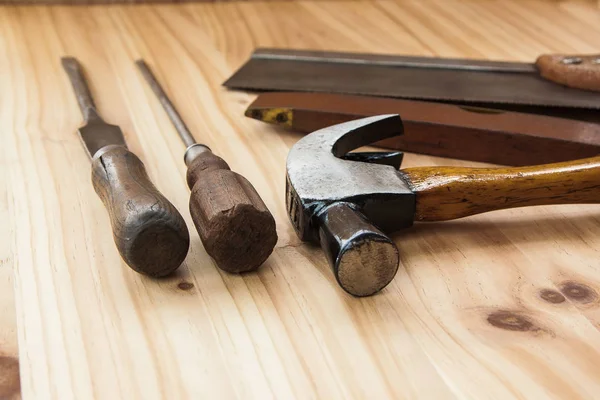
(347, 205)
(351, 135)
(392, 158)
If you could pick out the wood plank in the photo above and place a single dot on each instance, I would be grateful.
(111, 2)
(501, 305)
(9, 364)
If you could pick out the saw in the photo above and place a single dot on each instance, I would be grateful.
(556, 81)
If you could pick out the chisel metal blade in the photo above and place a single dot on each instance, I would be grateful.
(96, 133)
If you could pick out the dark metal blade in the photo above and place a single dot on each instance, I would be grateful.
(392, 158)
(96, 134)
(455, 84)
(392, 61)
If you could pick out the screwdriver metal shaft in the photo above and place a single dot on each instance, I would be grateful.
(174, 116)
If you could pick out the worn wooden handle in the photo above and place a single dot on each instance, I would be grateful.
(445, 193)
(149, 232)
(235, 226)
(576, 71)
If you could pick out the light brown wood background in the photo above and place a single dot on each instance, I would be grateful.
(111, 2)
(9, 365)
(503, 305)
(80, 2)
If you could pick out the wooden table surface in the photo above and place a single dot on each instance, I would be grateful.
(502, 305)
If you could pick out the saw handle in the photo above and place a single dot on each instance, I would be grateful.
(445, 193)
(149, 232)
(576, 71)
(234, 224)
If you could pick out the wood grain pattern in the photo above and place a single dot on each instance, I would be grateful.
(445, 193)
(499, 305)
(110, 2)
(9, 351)
(9, 361)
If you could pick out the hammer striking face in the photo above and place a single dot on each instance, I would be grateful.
(346, 200)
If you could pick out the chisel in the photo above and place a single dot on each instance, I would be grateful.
(149, 232)
(234, 224)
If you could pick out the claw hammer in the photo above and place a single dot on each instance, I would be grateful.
(346, 201)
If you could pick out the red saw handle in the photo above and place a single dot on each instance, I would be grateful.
(577, 71)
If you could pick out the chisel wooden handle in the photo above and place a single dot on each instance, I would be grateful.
(445, 193)
(149, 232)
(235, 226)
(576, 71)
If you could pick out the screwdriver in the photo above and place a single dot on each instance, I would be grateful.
(149, 232)
(235, 226)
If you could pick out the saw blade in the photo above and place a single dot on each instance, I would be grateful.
(413, 78)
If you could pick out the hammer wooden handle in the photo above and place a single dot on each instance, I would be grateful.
(235, 226)
(149, 232)
(445, 193)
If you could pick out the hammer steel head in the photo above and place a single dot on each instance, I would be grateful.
(321, 177)
(318, 175)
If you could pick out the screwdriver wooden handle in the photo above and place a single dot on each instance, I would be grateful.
(235, 226)
(149, 232)
(576, 71)
(445, 193)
